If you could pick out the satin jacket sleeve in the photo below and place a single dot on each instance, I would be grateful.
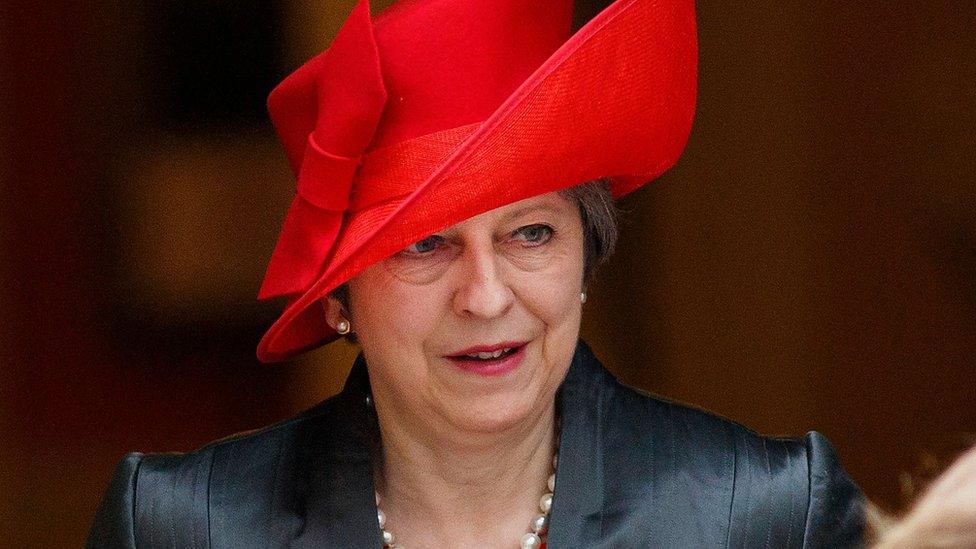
(792, 493)
(114, 524)
(159, 500)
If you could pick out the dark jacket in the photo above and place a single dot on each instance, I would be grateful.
(634, 471)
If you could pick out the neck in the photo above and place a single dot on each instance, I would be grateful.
(456, 488)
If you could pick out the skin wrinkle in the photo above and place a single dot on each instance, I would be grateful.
(460, 448)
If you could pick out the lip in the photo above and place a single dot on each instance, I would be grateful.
(493, 367)
(487, 348)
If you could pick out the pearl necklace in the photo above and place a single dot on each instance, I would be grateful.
(534, 539)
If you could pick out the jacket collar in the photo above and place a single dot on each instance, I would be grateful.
(342, 511)
(578, 496)
(340, 505)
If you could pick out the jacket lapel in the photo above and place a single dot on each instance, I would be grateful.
(578, 498)
(341, 509)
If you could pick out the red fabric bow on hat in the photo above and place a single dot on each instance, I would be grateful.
(325, 122)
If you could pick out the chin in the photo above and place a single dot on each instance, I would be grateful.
(489, 424)
(493, 413)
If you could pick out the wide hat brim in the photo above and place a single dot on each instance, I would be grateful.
(615, 100)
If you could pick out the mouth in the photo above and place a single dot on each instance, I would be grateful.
(490, 360)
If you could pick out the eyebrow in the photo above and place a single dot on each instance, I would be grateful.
(530, 209)
(515, 214)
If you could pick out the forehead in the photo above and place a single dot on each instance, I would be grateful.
(553, 206)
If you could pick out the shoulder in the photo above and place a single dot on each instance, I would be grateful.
(647, 424)
(168, 499)
(642, 423)
(792, 491)
(257, 448)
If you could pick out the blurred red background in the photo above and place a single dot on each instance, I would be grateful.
(810, 263)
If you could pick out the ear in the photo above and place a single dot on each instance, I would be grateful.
(333, 310)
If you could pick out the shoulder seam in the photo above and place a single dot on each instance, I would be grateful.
(135, 495)
(209, 484)
(806, 518)
(735, 472)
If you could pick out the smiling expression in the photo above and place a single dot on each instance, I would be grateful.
(473, 328)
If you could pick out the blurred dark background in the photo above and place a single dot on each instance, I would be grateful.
(809, 264)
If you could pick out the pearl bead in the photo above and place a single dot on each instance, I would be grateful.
(531, 541)
(545, 504)
(540, 523)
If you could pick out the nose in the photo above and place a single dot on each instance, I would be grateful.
(482, 290)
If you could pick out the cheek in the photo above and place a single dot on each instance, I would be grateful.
(553, 295)
(389, 316)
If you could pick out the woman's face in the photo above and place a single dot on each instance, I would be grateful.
(506, 282)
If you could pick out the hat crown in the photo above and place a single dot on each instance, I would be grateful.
(438, 110)
(449, 63)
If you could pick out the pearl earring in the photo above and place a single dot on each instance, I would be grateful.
(342, 327)
(582, 297)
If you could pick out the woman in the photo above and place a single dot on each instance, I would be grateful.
(449, 211)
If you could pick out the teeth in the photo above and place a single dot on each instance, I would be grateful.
(487, 356)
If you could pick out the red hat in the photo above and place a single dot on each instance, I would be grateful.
(439, 110)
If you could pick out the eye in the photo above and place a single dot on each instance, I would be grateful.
(534, 235)
(424, 246)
